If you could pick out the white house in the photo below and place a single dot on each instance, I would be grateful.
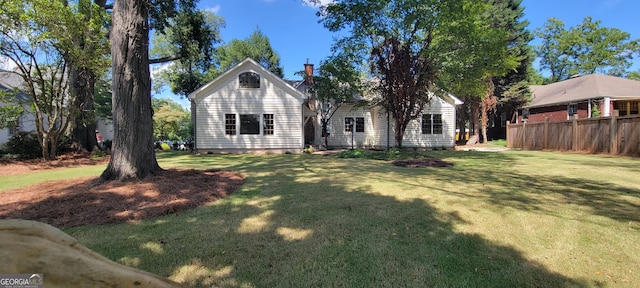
(27, 121)
(249, 108)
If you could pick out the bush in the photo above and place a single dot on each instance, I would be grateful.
(25, 145)
(65, 145)
(98, 154)
(392, 154)
(308, 150)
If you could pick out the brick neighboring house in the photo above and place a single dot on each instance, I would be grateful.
(580, 97)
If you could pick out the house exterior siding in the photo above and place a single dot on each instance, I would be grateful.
(556, 113)
(413, 136)
(226, 97)
(341, 138)
(375, 134)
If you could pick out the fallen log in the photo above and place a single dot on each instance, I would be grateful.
(33, 247)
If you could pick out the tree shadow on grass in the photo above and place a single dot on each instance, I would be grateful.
(304, 224)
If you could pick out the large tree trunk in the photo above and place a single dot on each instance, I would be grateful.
(475, 117)
(83, 86)
(462, 121)
(133, 154)
(399, 131)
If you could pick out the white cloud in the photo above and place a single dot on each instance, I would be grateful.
(6, 63)
(159, 68)
(214, 9)
(317, 3)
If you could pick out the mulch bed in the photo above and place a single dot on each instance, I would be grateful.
(10, 166)
(422, 163)
(84, 201)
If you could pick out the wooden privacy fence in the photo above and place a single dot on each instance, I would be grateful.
(613, 135)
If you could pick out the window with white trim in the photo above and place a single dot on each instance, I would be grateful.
(432, 124)
(267, 127)
(572, 109)
(230, 124)
(350, 122)
(250, 124)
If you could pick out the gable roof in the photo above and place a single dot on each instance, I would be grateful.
(593, 86)
(249, 64)
(10, 81)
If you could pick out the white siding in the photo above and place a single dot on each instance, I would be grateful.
(413, 136)
(228, 98)
(340, 138)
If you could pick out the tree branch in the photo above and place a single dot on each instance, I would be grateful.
(165, 59)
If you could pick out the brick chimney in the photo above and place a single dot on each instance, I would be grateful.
(308, 71)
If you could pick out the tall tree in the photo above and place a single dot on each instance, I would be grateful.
(91, 46)
(185, 74)
(133, 155)
(257, 47)
(407, 43)
(586, 48)
(34, 36)
(481, 54)
(512, 89)
(170, 120)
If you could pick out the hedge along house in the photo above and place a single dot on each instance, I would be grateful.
(249, 109)
(580, 97)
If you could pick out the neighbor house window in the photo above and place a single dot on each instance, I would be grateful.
(268, 124)
(348, 124)
(572, 109)
(14, 127)
(431, 123)
(250, 124)
(230, 124)
(350, 121)
(249, 80)
(359, 124)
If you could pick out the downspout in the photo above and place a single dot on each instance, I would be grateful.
(388, 131)
(195, 124)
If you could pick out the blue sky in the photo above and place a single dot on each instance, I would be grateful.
(295, 34)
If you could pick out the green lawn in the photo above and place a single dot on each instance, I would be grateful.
(494, 219)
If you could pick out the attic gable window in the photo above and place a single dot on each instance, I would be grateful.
(249, 80)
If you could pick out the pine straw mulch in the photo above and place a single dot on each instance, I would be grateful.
(422, 163)
(14, 167)
(84, 201)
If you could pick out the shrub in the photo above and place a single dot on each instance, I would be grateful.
(65, 145)
(165, 146)
(24, 144)
(308, 150)
(98, 154)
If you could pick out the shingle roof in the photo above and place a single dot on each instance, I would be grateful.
(593, 86)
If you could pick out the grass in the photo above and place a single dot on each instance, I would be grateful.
(506, 219)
